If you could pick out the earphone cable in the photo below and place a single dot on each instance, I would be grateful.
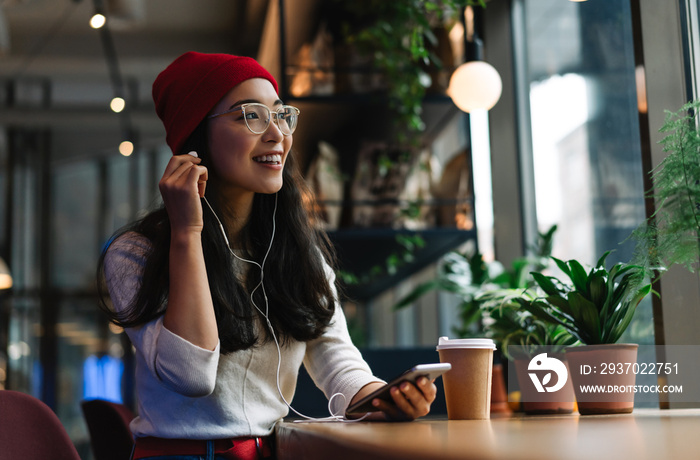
(261, 266)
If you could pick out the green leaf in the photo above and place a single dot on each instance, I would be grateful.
(478, 268)
(470, 312)
(455, 288)
(586, 316)
(562, 266)
(578, 276)
(519, 268)
(616, 289)
(544, 242)
(504, 280)
(417, 293)
(621, 290)
(601, 261)
(540, 310)
(597, 289)
(546, 284)
(561, 303)
(630, 309)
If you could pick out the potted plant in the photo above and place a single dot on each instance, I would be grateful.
(521, 336)
(595, 307)
(475, 282)
(672, 235)
(480, 286)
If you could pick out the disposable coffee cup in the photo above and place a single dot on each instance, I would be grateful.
(468, 384)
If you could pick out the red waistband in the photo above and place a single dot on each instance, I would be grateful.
(235, 448)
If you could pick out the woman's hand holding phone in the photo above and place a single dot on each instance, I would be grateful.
(182, 185)
(406, 397)
(410, 401)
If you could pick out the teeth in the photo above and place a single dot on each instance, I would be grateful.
(273, 159)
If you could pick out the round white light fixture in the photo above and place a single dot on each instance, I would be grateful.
(475, 85)
(97, 20)
(126, 148)
(117, 104)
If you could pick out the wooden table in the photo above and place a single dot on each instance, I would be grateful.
(644, 434)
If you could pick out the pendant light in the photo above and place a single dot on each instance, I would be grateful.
(475, 84)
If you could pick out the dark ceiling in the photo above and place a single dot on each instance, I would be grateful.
(54, 70)
(49, 37)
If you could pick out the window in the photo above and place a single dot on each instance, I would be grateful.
(586, 149)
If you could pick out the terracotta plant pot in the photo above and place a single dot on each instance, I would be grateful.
(534, 403)
(499, 395)
(603, 366)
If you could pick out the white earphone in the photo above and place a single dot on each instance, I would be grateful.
(261, 266)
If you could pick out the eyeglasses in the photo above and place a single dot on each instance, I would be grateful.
(257, 117)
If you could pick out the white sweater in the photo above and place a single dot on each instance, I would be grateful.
(187, 392)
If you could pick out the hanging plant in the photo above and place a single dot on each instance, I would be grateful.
(672, 235)
(396, 36)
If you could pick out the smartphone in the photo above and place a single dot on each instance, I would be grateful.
(431, 371)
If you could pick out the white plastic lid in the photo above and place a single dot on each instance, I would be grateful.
(445, 343)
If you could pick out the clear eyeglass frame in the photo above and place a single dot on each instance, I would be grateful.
(286, 112)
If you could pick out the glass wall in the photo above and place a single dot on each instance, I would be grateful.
(692, 14)
(60, 347)
(586, 149)
(74, 236)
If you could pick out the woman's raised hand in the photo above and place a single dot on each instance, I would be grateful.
(182, 185)
(190, 312)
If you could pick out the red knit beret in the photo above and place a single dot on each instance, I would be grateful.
(193, 84)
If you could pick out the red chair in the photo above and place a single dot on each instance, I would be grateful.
(108, 424)
(30, 430)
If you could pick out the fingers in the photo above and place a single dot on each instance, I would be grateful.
(202, 182)
(181, 171)
(182, 185)
(410, 401)
(177, 161)
(428, 388)
(391, 411)
(200, 174)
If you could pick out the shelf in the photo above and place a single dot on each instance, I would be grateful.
(361, 249)
(344, 102)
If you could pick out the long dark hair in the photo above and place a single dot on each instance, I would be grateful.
(299, 295)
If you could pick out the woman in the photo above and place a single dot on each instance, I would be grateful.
(217, 350)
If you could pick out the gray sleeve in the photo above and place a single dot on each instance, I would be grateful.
(180, 365)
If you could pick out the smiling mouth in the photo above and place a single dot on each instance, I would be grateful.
(275, 159)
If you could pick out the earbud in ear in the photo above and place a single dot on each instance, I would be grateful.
(193, 153)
